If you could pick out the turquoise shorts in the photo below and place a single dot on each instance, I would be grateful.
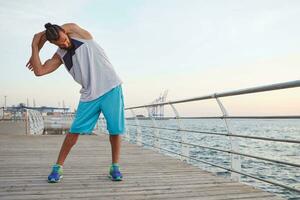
(111, 104)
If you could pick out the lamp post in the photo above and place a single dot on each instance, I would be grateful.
(5, 102)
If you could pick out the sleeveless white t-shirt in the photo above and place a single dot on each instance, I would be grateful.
(90, 67)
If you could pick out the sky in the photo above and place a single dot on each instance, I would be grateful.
(190, 48)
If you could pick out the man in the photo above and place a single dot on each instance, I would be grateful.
(101, 89)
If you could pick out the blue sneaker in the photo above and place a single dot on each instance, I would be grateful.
(114, 173)
(56, 174)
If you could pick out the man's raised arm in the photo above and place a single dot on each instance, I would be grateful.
(35, 64)
(43, 40)
(41, 43)
(73, 29)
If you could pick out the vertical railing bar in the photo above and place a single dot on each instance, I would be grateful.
(234, 146)
(138, 129)
(127, 132)
(183, 138)
(156, 130)
(26, 121)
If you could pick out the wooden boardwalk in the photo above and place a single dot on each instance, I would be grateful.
(25, 162)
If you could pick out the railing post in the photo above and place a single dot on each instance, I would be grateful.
(156, 131)
(127, 134)
(185, 150)
(1, 113)
(27, 122)
(234, 145)
(138, 129)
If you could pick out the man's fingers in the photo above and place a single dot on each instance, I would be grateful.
(28, 63)
(29, 66)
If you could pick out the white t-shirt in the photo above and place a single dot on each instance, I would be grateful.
(90, 67)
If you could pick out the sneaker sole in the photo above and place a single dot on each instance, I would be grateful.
(55, 181)
(115, 179)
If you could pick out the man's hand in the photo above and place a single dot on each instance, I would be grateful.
(29, 64)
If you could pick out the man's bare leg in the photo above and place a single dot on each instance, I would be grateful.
(69, 142)
(115, 141)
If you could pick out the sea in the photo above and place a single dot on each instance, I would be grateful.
(271, 128)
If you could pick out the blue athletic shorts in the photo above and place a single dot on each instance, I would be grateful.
(111, 104)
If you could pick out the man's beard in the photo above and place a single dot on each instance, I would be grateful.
(69, 47)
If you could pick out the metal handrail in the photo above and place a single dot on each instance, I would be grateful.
(231, 117)
(278, 86)
(224, 134)
(228, 169)
(234, 152)
(228, 151)
(34, 122)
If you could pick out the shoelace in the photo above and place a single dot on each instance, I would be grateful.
(55, 168)
(115, 168)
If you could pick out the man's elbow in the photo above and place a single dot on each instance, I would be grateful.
(38, 73)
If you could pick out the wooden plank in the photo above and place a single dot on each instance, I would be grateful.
(25, 162)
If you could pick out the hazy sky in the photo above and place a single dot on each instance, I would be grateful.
(190, 47)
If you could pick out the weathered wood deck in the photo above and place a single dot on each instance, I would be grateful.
(25, 162)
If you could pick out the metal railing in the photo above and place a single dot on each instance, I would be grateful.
(1, 113)
(57, 124)
(234, 152)
(60, 124)
(34, 122)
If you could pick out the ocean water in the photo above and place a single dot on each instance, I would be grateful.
(273, 128)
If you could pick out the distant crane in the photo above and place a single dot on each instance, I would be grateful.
(158, 111)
